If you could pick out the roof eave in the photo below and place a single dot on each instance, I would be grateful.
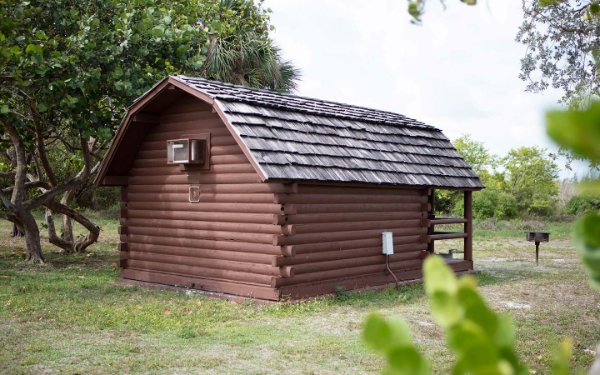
(372, 184)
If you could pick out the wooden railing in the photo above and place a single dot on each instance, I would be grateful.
(446, 235)
(466, 234)
(446, 220)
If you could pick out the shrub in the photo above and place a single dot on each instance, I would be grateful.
(484, 203)
(97, 198)
(506, 207)
(491, 203)
(581, 204)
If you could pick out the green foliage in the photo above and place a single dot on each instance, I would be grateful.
(81, 64)
(579, 131)
(391, 338)
(522, 183)
(475, 153)
(69, 70)
(250, 61)
(587, 241)
(562, 41)
(447, 200)
(482, 341)
(341, 293)
(491, 203)
(562, 356)
(531, 178)
(546, 3)
(483, 163)
(580, 204)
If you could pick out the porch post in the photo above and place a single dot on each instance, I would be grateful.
(468, 226)
(430, 216)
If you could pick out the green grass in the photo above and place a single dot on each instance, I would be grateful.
(70, 316)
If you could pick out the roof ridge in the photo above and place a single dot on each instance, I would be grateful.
(416, 123)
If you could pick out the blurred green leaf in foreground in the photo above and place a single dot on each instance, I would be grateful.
(579, 132)
(481, 340)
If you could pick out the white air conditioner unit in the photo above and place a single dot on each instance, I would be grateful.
(186, 151)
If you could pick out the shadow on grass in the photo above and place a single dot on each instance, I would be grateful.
(14, 259)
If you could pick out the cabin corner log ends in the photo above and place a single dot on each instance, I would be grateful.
(266, 228)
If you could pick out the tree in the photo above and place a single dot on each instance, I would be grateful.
(482, 162)
(531, 178)
(563, 45)
(240, 50)
(250, 61)
(68, 71)
(563, 42)
(474, 153)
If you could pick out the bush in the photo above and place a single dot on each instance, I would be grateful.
(98, 198)
(581, 204)
(445, 200)
(490, 203)
(506, 207)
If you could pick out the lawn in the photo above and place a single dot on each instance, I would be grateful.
(70, 317)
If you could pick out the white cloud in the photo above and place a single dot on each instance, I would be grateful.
(459, 71)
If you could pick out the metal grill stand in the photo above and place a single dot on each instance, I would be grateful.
(537, 237)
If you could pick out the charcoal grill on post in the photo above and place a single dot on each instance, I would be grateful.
(538, 237)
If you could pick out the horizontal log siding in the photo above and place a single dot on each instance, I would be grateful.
(224, 241)
(359, 282)
(332, 237)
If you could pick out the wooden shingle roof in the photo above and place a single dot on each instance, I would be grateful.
(297, 138)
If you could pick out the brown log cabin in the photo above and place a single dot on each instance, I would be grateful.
(258, 194)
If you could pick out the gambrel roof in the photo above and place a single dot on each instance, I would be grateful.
(295, 138)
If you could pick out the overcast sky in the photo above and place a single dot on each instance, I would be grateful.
(458, 71)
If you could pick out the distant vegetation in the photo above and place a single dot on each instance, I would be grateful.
(524, 183)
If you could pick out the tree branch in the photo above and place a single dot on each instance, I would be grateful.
(52, 237)
(29, 185)
(18, 193)
(87, 160)
(56, 190)
(50, 194)
(6, 201)
(41, 147)
(82, 243)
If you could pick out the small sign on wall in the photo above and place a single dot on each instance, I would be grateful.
(194, 193)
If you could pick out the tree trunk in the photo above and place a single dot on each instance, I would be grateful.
(21, 211)
(17, 230)
(66, 246)
(83, 242)
(67, 224)
(32, 237)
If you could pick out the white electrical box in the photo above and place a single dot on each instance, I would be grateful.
(387, 243)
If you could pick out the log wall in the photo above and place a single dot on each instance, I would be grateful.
(332, 237)
(224, 243)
